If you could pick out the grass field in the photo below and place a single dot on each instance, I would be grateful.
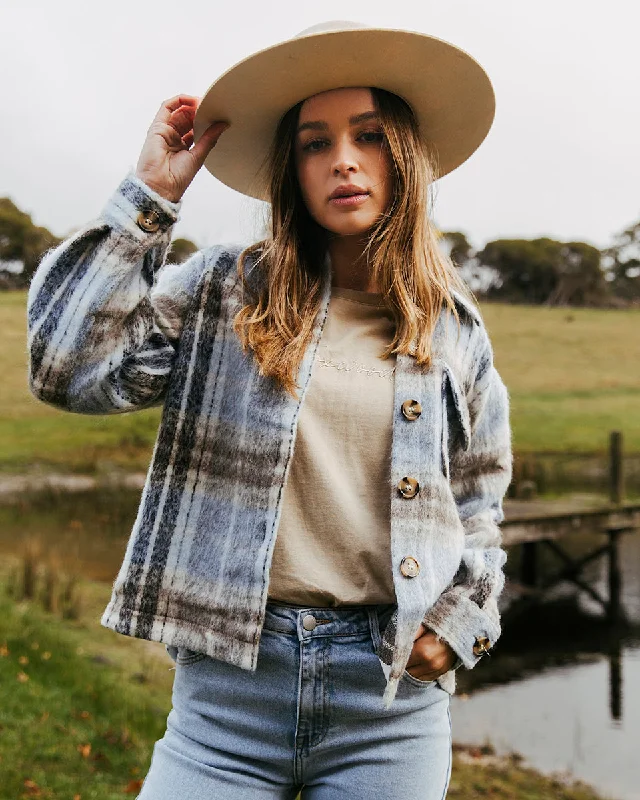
(572, 375)
(82, 707)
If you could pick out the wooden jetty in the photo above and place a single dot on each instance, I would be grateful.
(533, 532)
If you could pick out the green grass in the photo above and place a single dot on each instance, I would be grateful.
(572, 375)
(34, 434)
(75, 725)
(52, 440)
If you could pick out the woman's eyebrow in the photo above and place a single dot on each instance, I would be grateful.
(319, 125)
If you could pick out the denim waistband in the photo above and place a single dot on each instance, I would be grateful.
(313, 621)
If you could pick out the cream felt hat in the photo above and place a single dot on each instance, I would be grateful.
(449, 92)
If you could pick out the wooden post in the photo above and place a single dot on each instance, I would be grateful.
(616, 474)
(616, 486)
(615, 679)
(615, 581)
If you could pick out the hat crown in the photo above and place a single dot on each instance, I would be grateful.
(330, 27)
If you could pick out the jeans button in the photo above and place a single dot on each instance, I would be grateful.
(309, 622)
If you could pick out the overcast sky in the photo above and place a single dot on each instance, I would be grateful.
(82, 81)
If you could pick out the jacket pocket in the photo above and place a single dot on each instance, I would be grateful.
(456, 426)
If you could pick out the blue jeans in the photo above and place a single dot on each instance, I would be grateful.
(309, 719)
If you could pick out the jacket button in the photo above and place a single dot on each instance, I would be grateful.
(481, 646)
(409, 567)
(408, 487)
(411, 409)
(149, 221)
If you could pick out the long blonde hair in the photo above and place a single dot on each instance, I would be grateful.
(414, 275)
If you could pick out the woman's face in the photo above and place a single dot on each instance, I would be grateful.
(339, 147)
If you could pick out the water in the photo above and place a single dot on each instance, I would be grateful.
(85, 532)
(561, 721)
(561, 688)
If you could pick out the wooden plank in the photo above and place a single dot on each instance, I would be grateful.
(555, 526)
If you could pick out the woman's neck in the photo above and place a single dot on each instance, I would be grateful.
(349, 266)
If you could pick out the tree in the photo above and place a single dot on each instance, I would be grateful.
(456, 245)
(22, 241)
(545, 271)
(621, 262)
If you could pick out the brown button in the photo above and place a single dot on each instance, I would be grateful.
(408, 487)
(149, 221)
(411, 409)
(481, 646)
(409, 567)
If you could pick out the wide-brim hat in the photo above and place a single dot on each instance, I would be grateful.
(450, 93)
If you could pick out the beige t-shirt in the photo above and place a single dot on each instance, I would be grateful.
(333, 545)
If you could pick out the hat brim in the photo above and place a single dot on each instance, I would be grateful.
(450, 93)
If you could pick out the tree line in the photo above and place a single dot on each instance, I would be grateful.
(545, 271)
(540, 271)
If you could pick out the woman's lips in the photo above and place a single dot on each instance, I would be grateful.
(350, 199)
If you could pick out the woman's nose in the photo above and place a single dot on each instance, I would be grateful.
(345, 161)
(344, 168)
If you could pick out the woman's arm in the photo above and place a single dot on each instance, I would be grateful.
(466, 613)
(103, 317)
(101, 311)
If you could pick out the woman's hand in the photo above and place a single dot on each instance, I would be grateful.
(430, 658)
(168, 162)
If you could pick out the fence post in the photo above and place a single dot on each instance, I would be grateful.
(615, 579)
(616, 474)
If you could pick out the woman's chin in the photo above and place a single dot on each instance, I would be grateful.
(350, 227)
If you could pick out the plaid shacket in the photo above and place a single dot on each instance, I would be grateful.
(112, 328)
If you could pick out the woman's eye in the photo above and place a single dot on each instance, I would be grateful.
(372, 137)
(313, 146)
(368, 137)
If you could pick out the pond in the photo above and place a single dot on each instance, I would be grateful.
(561, 688)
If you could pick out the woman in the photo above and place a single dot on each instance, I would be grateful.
(322, 659)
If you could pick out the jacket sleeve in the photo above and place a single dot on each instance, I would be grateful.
(466, 612)
(104, 313)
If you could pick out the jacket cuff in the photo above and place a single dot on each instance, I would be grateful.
(461, 623)
(140, 213)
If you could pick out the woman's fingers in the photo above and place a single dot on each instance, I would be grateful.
(169, 106)
(182, 120)
(208, 141)
(430, 657)
(421, 631)
(169, 159)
